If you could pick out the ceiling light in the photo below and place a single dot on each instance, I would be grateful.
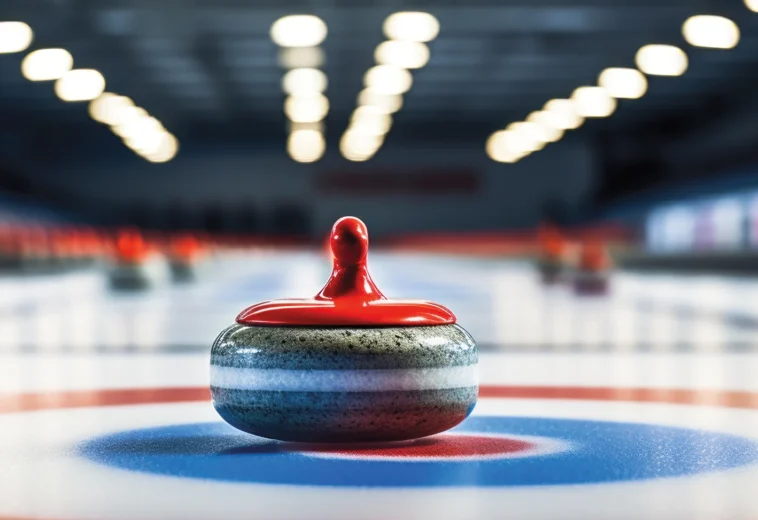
(301, 57)
(80, 85)
(146, 136)
(412, 26)
(306, 146)
(661, 60)
(46, 64)
(109, 108)
(593, 102)
(549, 132)
(128, 120)
(532, 134)
(524, 138)
(389, 103)
(715, 32)
(14, 37)
(403, 54)
(752, 5)
(302, 30)
(499, 148)
(386, 79)
(623, 83)
(304, 81)
(356, 146)
(167, 149)
(371, 120)
(563, 114)
(306, 109)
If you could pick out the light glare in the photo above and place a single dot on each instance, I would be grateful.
(389, 103)
(306, 109)
(306, 146)
(715, 32)
(298, 31)
(304, 82)
(46, 64)
(623, 83)
(389, 80)
(661, 60)
(403, 54)
(563, 114)
(14, 37)
(411, 26)
(593, 102)
(80, 85)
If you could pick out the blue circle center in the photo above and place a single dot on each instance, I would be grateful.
(600, 452)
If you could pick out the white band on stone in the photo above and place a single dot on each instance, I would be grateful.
(388, 380)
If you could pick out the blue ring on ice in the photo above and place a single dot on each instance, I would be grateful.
(600, 452)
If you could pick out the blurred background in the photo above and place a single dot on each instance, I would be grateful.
(271, 119)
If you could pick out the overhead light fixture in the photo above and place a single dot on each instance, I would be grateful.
(301, 57)
(109, 108)
(389, 80)
(304, 81)
(389, 103)
(499, 148)
(662, 60)
(623, 83)
(563, 114)
(306, 109)
(524, 137)
(715, 32)
(593, 102)
(14, 37)
(167, 149)
(411, 26)
(356, 146)
(306, 146)
(46, 64)
(302, 30)
(401, 53)
(370, 120)
(550, 133)
(128, 120)
(146, 135)
(752, 5)
(80, 85)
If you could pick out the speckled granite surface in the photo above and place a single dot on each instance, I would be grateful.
(374, 384)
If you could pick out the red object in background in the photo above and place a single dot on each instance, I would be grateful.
(131, 247)
(350, 297)
(593, 257)
(186, 248)
(551, 242)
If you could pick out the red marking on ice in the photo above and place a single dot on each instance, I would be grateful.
(25, 402)
(440, 446)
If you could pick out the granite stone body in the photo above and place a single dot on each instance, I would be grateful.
(344, 384)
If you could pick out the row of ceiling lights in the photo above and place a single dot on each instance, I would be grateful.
(520, 139)
(141, 132)
(387, 81)
(306, 106)
(299, 37)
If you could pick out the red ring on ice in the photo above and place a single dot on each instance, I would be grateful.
(439, 447)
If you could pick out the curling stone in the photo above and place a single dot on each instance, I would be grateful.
(593, 270)
(553, 255)
(137, 266)
(348, 365)
(185, 258)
